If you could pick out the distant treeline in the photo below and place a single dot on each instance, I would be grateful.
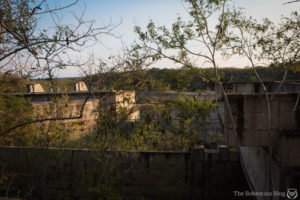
(185, 79)
(154, 79)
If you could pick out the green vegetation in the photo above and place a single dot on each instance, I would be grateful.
(156, 131)
(10, 83)
(176, 125)
(188, 80)
(64, 83)
(159, 79)
(15, 110)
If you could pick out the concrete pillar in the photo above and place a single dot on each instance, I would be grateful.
(198, 153)
(223, 152)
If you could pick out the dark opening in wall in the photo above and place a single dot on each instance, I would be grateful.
(256, 87)
(240, 116)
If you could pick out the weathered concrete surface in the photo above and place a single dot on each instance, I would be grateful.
(123, 100)
(31, 88)
(162, 96)
(70, 108)
(250, 115)
(70, 104)
(80, 86)
(213, 123)
(77, 174)
(251, 121)
(288, 150)
(257, 165)
(257, 162)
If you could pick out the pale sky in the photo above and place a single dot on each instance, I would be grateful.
(162, 12)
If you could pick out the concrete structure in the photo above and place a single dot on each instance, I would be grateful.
(33, 88)
(81, 174)
(250, 113)
(158, 98)
(69, 104)
(123, 100)
(257, 166)
(80, 86)
(249, 109)
(256, 87)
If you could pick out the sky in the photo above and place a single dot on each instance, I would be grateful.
(162, 12)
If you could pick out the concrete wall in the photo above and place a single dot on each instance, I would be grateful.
(251, 121)
(250, 115)
(213, 121)
(125, 100)
(70, 105)
(257, 165)
(31, 88)
(80, 86)
(170, 95)
(257, 162)
(251, 118)
(288, 149)
(71, 108)
(74, 174)
(256, 88)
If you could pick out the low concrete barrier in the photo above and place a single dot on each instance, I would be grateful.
(53, 173)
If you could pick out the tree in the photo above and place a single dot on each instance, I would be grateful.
(190, 120)
(10, 109)
(291, 2)
(264, 42)
(175, 44)
(217, 30)
(29, 50)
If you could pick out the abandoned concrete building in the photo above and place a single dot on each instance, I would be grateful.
(69, 104)
(256, 87)
(200, 171)
(249, 109)
(213, 123)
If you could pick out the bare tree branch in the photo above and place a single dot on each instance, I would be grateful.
(291, 2)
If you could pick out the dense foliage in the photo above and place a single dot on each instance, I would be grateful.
(188, 80)
(175, 125)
